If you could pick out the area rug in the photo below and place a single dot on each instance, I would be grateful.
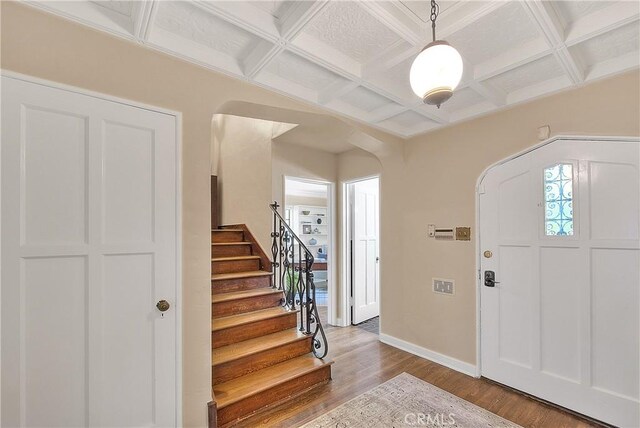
(406, 401)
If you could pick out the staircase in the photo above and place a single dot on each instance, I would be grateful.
(260, 356)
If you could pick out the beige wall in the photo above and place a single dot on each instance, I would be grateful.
(439, 175)
(48, 47)
(300, 162)
(244, 173)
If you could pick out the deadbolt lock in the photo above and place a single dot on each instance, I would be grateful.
(488, 254)
(163, 305)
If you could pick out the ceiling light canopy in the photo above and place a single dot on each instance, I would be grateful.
(437, 70)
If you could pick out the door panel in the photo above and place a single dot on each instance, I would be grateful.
(514, 301)
(366, 304)
(615, 322)
(88, 248)
(63, 198)
(563, 321)
(614, 213)
(560, 312)
(57, 361)
(128, 183)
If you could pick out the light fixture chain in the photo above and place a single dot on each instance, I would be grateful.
(435, 9)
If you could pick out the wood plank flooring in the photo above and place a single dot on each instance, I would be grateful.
(362, 362)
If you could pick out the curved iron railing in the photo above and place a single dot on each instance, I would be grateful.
(292, 266)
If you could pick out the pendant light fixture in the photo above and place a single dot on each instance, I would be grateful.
(437, 69)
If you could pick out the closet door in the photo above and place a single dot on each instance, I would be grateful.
(88, 249)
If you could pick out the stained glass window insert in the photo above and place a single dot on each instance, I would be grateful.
(558, 199)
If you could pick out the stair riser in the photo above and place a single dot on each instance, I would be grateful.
(273, 396)
(230, 250)
(227, 236)
(241, 306)
(250, 330)
(232, 266)
(229, 285)
(233, 369)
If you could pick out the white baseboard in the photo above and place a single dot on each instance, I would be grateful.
(452, 363)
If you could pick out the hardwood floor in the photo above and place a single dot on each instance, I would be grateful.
(362, 362)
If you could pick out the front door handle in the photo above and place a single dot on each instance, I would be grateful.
(490, 278)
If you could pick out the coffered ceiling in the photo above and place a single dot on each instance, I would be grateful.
(353, 58)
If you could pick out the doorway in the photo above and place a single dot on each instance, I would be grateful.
(308, 209)
(362, 245)
(559, 253)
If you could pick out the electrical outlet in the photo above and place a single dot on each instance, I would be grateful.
(443, 286)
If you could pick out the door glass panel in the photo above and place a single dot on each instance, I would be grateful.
(558, 199)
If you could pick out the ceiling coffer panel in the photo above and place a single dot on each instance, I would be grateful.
(353, 58)
(348, 28)
(608, 46)
(528, 74)
(193, 23)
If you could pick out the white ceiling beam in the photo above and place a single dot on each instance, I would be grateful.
(552, 28)
(386, 112)
(430, 112)
(298, 16)
(242, 15)
(291, 24)
(259, 57)
(143, 18)
(336, 90)
(387, 61)
(391, 15)
(463, 14)
(494, 95)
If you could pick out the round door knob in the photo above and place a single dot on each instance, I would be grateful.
(163, 305)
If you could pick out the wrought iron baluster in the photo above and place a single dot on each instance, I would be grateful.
(295, 278)
(300, 286)
(308, 268)
(275, 234)
(281, 266)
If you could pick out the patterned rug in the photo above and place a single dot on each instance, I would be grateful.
(406, 401)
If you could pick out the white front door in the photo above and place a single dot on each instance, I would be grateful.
(365, 227)
(88, 248)
(559, 228)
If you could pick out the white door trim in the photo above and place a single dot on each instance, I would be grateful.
(178, 213)
(331, 209)
(479, 190)
(345, 237)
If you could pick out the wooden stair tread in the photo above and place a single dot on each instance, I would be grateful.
(249, 317)
(227, 230)
(223, 244)
(253, 346)
(245, 294)
(254, 383)
(240, 275)
(234, 258)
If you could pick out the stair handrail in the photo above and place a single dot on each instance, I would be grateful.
(295, 279)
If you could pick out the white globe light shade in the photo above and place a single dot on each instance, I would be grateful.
(436, 72)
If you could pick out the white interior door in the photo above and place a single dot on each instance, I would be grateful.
(562, 225)
(365, 229)
(88, 248)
